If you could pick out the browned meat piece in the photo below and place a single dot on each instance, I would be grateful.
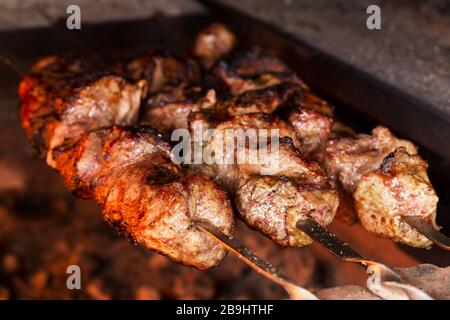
(273, 205)
(312, 119)
(129, 172)
(252, 70)
(346, 160)
(160, 70)
(273, 188)
(265, 100)
(88, 162)
(313, 129)
(168, 116)
(59, 67)
(212, 43)
(400, 187)
(35, 88)
(173, 87)
(54, 110)
(256, 62)
(272, 125)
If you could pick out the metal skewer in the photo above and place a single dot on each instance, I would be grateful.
(261, 266)
(59, 26)
(383, 281)
(9, 60)
(428, 231)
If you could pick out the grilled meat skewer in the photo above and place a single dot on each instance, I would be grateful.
(129, 172)
(378, 176)
(213, 43)
(73, 121)
(59, 101)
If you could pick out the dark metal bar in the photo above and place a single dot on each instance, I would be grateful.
(11, 61)
(383, 281)
(428, 231)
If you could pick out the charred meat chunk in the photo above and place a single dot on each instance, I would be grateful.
(145, 195)
(127, 170)
(400, 187)
(213, 43)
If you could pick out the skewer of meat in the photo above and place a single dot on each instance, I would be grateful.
(292, 201)
(382, 176)
(80, 123)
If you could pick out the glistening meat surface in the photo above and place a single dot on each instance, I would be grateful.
(272, 191)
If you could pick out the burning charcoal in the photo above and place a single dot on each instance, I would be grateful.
(10, 263)
(147, 293)
(4, 293)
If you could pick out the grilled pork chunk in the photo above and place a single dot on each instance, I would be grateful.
(224, 78)
(266, 100)
(127, 170)
(400, 187)
(274, 204)
(213, 43)
(174, 89)
(171, 115)
(275, 186)
(227, 173)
